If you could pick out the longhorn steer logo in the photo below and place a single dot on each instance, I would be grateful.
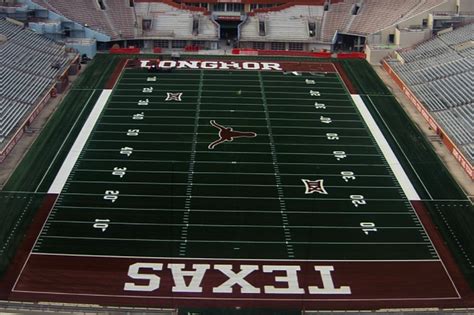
(228, 134)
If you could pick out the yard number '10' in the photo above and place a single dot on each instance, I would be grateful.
(101, 224)
(368, 227)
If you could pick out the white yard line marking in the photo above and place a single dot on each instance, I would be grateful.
(234, 259)
(255, 211)
(229, 162)
(232, 226)
(281, 196)
(218, 184)
(220, 241)
(189, 184)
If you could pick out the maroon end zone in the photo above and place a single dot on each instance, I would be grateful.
(172, 282)
(231, 283)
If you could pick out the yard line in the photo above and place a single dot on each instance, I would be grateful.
(135, 124)
(264, 134)
(240, 97)
(229, 173)
(284, 119)
(233, 118)
(142, 141)
(135, 102)
(316, 227)
(227, 197)
(192, 161)
(232, 162)
(234, 125)
(316, 112)
(232, 152)
(281, 195)
(222, 184)
(249, 143)
(147, 116)
(233, 259)
(227, 104)
(311, 212)
(166, 133)
(226, 241)
(157, 83)
(124, 89)
(325, 81)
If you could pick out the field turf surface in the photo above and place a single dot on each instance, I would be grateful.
(242, 199)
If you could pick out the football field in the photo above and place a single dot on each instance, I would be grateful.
(152, 186)
(235, 166)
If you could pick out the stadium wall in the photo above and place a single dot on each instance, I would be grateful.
(458, 155)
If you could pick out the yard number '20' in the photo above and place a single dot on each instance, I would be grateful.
(358, 200)
(111, 195)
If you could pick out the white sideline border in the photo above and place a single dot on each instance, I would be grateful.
(71, 159)
(391, 158)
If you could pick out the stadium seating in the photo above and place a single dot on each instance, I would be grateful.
(122, 17)
(376, 14)
(336, 19)
(288, 24)
(116, 20)
(84, 12)
(170, 22)
(29, 64)
(440, 75)
(461, 35)
(372, 16)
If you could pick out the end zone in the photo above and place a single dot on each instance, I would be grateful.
(172, 282)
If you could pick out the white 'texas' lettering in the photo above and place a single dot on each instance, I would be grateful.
(192, 280)
(236, 278)
(291, 279)
(134, 273)
(328, 284)
(196, 277)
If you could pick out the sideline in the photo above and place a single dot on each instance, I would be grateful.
(391, 158)
(64, 141)
(79, 144)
